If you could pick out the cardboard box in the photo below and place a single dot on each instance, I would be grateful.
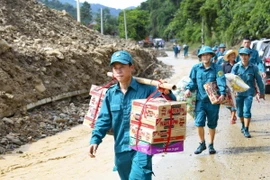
(211, 89)
(95, 101)
(93, 112)
(88, 121)
(91, 116)
(97, 91)
(154, 137)
(157, 108)
(97, 95)
(160, 123)
(151, 149)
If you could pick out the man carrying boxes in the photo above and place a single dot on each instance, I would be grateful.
(115, 113)
(200, 74)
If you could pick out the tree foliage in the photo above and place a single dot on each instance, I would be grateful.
(209, 21)
(86, 13)
(56, 4)
(189, 21)
(136, 23)
(110, 24)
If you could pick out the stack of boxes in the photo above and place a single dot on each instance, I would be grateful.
(97, 95)
(157, 125)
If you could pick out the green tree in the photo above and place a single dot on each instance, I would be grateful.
(237, 29)
(190, 21)
(56, 4)
(110, 24)
(161, 14)
(136, 24)
(86, 13)
(208, 12)
(258, 24)
(187, 22)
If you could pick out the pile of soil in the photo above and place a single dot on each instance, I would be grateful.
(45, 53)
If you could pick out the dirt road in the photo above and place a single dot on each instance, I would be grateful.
(64, 156)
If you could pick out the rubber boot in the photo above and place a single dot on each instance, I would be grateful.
(243, 127)
(246, 133)
(201, 148)
(211, 149)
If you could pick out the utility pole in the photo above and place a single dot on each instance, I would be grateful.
(78, 11)
(202, 31)
(101, 21)
(125, 22)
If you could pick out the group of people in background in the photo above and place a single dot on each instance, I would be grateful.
(177, 49)
(116, 106)
(214, 63)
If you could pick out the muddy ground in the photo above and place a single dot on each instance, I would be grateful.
(64, 156)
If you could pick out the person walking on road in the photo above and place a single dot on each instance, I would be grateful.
(230, 60)
(115, 113)
(221, 50)
(214, 58)
(185, 47)
(254, 56)
(179, 48)
(201, 73)
(249, 73)
(220, 54)
(175, 50)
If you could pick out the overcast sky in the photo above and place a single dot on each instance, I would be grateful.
(119, 4)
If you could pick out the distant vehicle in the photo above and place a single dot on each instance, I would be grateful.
(147, 42)
(174, 40)
(158, 42)
(263, 47)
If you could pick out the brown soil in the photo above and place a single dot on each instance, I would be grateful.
(45, 53)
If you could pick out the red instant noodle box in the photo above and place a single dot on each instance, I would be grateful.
(160, 123)
(211, 89)
(158, 120)
(158, 114)
(154, 137)
(97, 95)
(158, 108)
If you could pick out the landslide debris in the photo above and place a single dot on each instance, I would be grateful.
(45, 53)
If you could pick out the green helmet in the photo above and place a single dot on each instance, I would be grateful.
(214, 48)
(205, 50)
(122, 57)
(222, 46)
(244, 51)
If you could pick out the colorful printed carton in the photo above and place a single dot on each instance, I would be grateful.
(156, 108)
(154, 137)
(151, 149)
(211, 89)
(91, 116)
(97, 95)
(160, 123)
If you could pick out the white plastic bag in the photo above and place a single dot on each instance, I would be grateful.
(180, 95)
(235, 83)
